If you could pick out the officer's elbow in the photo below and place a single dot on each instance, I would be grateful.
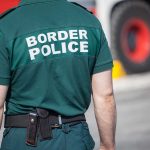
(103, 98)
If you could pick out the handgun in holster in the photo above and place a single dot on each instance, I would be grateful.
(38, 125)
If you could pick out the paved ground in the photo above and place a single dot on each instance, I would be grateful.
(133, 104)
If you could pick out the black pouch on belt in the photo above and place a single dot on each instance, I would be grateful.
(32, 130)
(44, 124)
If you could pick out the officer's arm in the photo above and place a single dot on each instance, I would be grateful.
(105, 108)
(3, 93)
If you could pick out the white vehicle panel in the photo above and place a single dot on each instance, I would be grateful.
(104, 9)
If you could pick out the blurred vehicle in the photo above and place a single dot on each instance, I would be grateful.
(127, 27)
(8, 4)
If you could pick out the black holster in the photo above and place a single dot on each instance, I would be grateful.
(32, 129)
(38, 125)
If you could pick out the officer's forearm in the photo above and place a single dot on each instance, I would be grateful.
(1, 116)
(3, 93)
(105, 111)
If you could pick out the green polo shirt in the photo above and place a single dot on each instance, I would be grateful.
(49, 50)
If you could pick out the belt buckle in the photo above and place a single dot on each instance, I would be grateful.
(59, 124)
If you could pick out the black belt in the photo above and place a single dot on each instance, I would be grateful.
(22, 121)
(41, 121)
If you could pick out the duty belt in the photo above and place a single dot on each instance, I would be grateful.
(41, 121)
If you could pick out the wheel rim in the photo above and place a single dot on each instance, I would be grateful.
(135, 39)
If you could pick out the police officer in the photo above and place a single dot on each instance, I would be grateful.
(53, 56)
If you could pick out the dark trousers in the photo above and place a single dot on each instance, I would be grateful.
(76, 137)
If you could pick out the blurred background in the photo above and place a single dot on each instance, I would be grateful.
(127, 27)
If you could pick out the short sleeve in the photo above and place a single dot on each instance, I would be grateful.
(104, 59)
(4, 63)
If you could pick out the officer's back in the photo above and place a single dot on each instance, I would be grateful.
(52, 47)
(49, 52)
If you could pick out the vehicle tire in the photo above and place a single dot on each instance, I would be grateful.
(130, 29)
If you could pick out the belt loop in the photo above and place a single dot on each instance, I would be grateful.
(60, 119)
